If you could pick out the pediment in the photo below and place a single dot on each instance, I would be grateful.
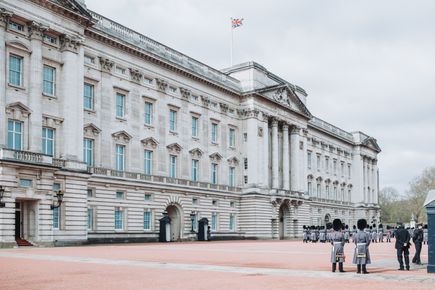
(196, 152)
(75, 6)
(90, 129)
(286, 96)
(19, 106)
(372, 144)
(150, 142)
(174, 148)
(233, 160)
(215, 157)
(122, 136)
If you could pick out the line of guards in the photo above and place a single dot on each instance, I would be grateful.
(338, 234)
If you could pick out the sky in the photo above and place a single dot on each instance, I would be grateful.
(366, 65)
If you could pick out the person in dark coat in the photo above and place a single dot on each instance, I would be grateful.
(425, 234)
(418, 241)
(337, 241)
(362, 240)
(402, 246)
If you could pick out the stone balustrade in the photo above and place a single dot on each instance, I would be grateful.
(161, 179)
(331, 128)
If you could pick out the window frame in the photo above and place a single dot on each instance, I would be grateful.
(86, 150)
(14, 134)
(91, 97)
(120, 156)
(20, 72)
(46, 139)
(120, 106)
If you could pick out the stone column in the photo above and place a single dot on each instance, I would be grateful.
(71, 94)
(275, 167)
(36, 31)
(4, 18)
(253, 153)
(285, 159)
(265, 164)
(295, 160)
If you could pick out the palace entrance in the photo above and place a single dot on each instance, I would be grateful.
(175, 214)
(284, 216)
(25, 222)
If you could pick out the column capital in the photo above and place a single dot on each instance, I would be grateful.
(275, 122)
(265, 116)
(296, 129)
(5, 15)
(36, 30)
(106, 64)
(285, 126)
(70, 43)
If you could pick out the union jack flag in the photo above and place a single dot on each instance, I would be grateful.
(236, 22)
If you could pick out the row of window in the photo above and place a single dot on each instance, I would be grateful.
(15, 137)
(119, 220)
(335, 195)
(327, 165)
(16, 75)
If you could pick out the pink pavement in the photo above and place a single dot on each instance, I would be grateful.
(204, 265)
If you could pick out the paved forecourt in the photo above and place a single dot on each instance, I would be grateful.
(204, 265)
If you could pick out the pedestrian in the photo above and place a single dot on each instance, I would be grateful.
(322, 234)
(402, 246)
(208, 233)
(374, 234)
(346, 234)
(425, 234)
(361, 255)
(418, 241)
(381, 233)
(354, 231)
(337, 241)
(305, 237)
(389, 234)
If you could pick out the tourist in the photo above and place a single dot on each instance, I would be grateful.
(337, 241)
(402, 246)
(418, 241)
(361, 255)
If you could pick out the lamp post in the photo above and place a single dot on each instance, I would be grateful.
(2, 193)
(59, 196)
(192, 219)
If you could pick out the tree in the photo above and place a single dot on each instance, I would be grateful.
(393, 208)
(418, 189)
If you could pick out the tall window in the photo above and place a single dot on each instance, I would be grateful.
(195, 222)
(120, 157)
(319, 190)
(335, 193)
(88, 96)
(310, 188)
(148, 162)
(48, 141)
(327, 164)
(90, 218)
(342, 194)
(119, 219)
(88, 151)
(120, 105)
(232, 222)
(309, 160)
(232, 176)
(349, 171)
(327, 192)
(147, 220)
(335, 166)
(172, 166)
(15, 70)
(213, 221)
(172, 120)
(15, 135)
(148, 113)
(194, 127)
(318, 162)
(49, 80)
(214, 173)
(232, 137)
(56, 218)
(194, 170)
(214, 132)
(342, 169)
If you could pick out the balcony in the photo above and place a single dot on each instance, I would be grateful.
(330, 201)
(162, 179)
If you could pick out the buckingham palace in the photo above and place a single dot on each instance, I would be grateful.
(105, 131)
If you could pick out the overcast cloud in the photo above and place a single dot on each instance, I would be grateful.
(366, 65)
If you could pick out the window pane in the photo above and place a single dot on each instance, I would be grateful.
(120, 105)
(88, 151)
(120, 157)
(15, 65)
(15, 135)
(88, 96)
(49, 80)
(148, 162)
(147, 220)
(56, 218)
(148, 113)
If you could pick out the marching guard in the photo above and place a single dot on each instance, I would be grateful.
(337, 241)
(361, 255)
(305, 240)
(346, 233)
(381, 233)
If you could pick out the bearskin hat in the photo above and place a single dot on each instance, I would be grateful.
(370, 227)
(346, 227)
(425, 226)
(362, 224)
(381, 226)
(329, 226)
(354, 227)
(336, 224)
(374, 226)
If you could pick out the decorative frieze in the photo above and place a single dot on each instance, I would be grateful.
(224, 107)
(233, 161)
(5, 15)
(70, 43)
(196, 153)
(248, 113)
(90, 130)
(51, 121)
(36, 30)
(215, 157)
(18, 111)
(162, 85)
(185, 93)
(174, 148)
(149, 143)
(136, 75)
(205, 101)
(106, 64)
(122, 136)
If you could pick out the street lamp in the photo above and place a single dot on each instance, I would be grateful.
(59, 196)
(192, 219)
(2, 193)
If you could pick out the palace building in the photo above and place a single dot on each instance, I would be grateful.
(103, 131)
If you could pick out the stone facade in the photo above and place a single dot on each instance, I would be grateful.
(128, 129)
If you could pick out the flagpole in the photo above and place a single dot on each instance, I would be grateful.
(232, 41)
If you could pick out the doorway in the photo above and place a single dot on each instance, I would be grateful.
(284, 214)
(175, 215)
(18, 220)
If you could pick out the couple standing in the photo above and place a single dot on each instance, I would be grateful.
(361, 239)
